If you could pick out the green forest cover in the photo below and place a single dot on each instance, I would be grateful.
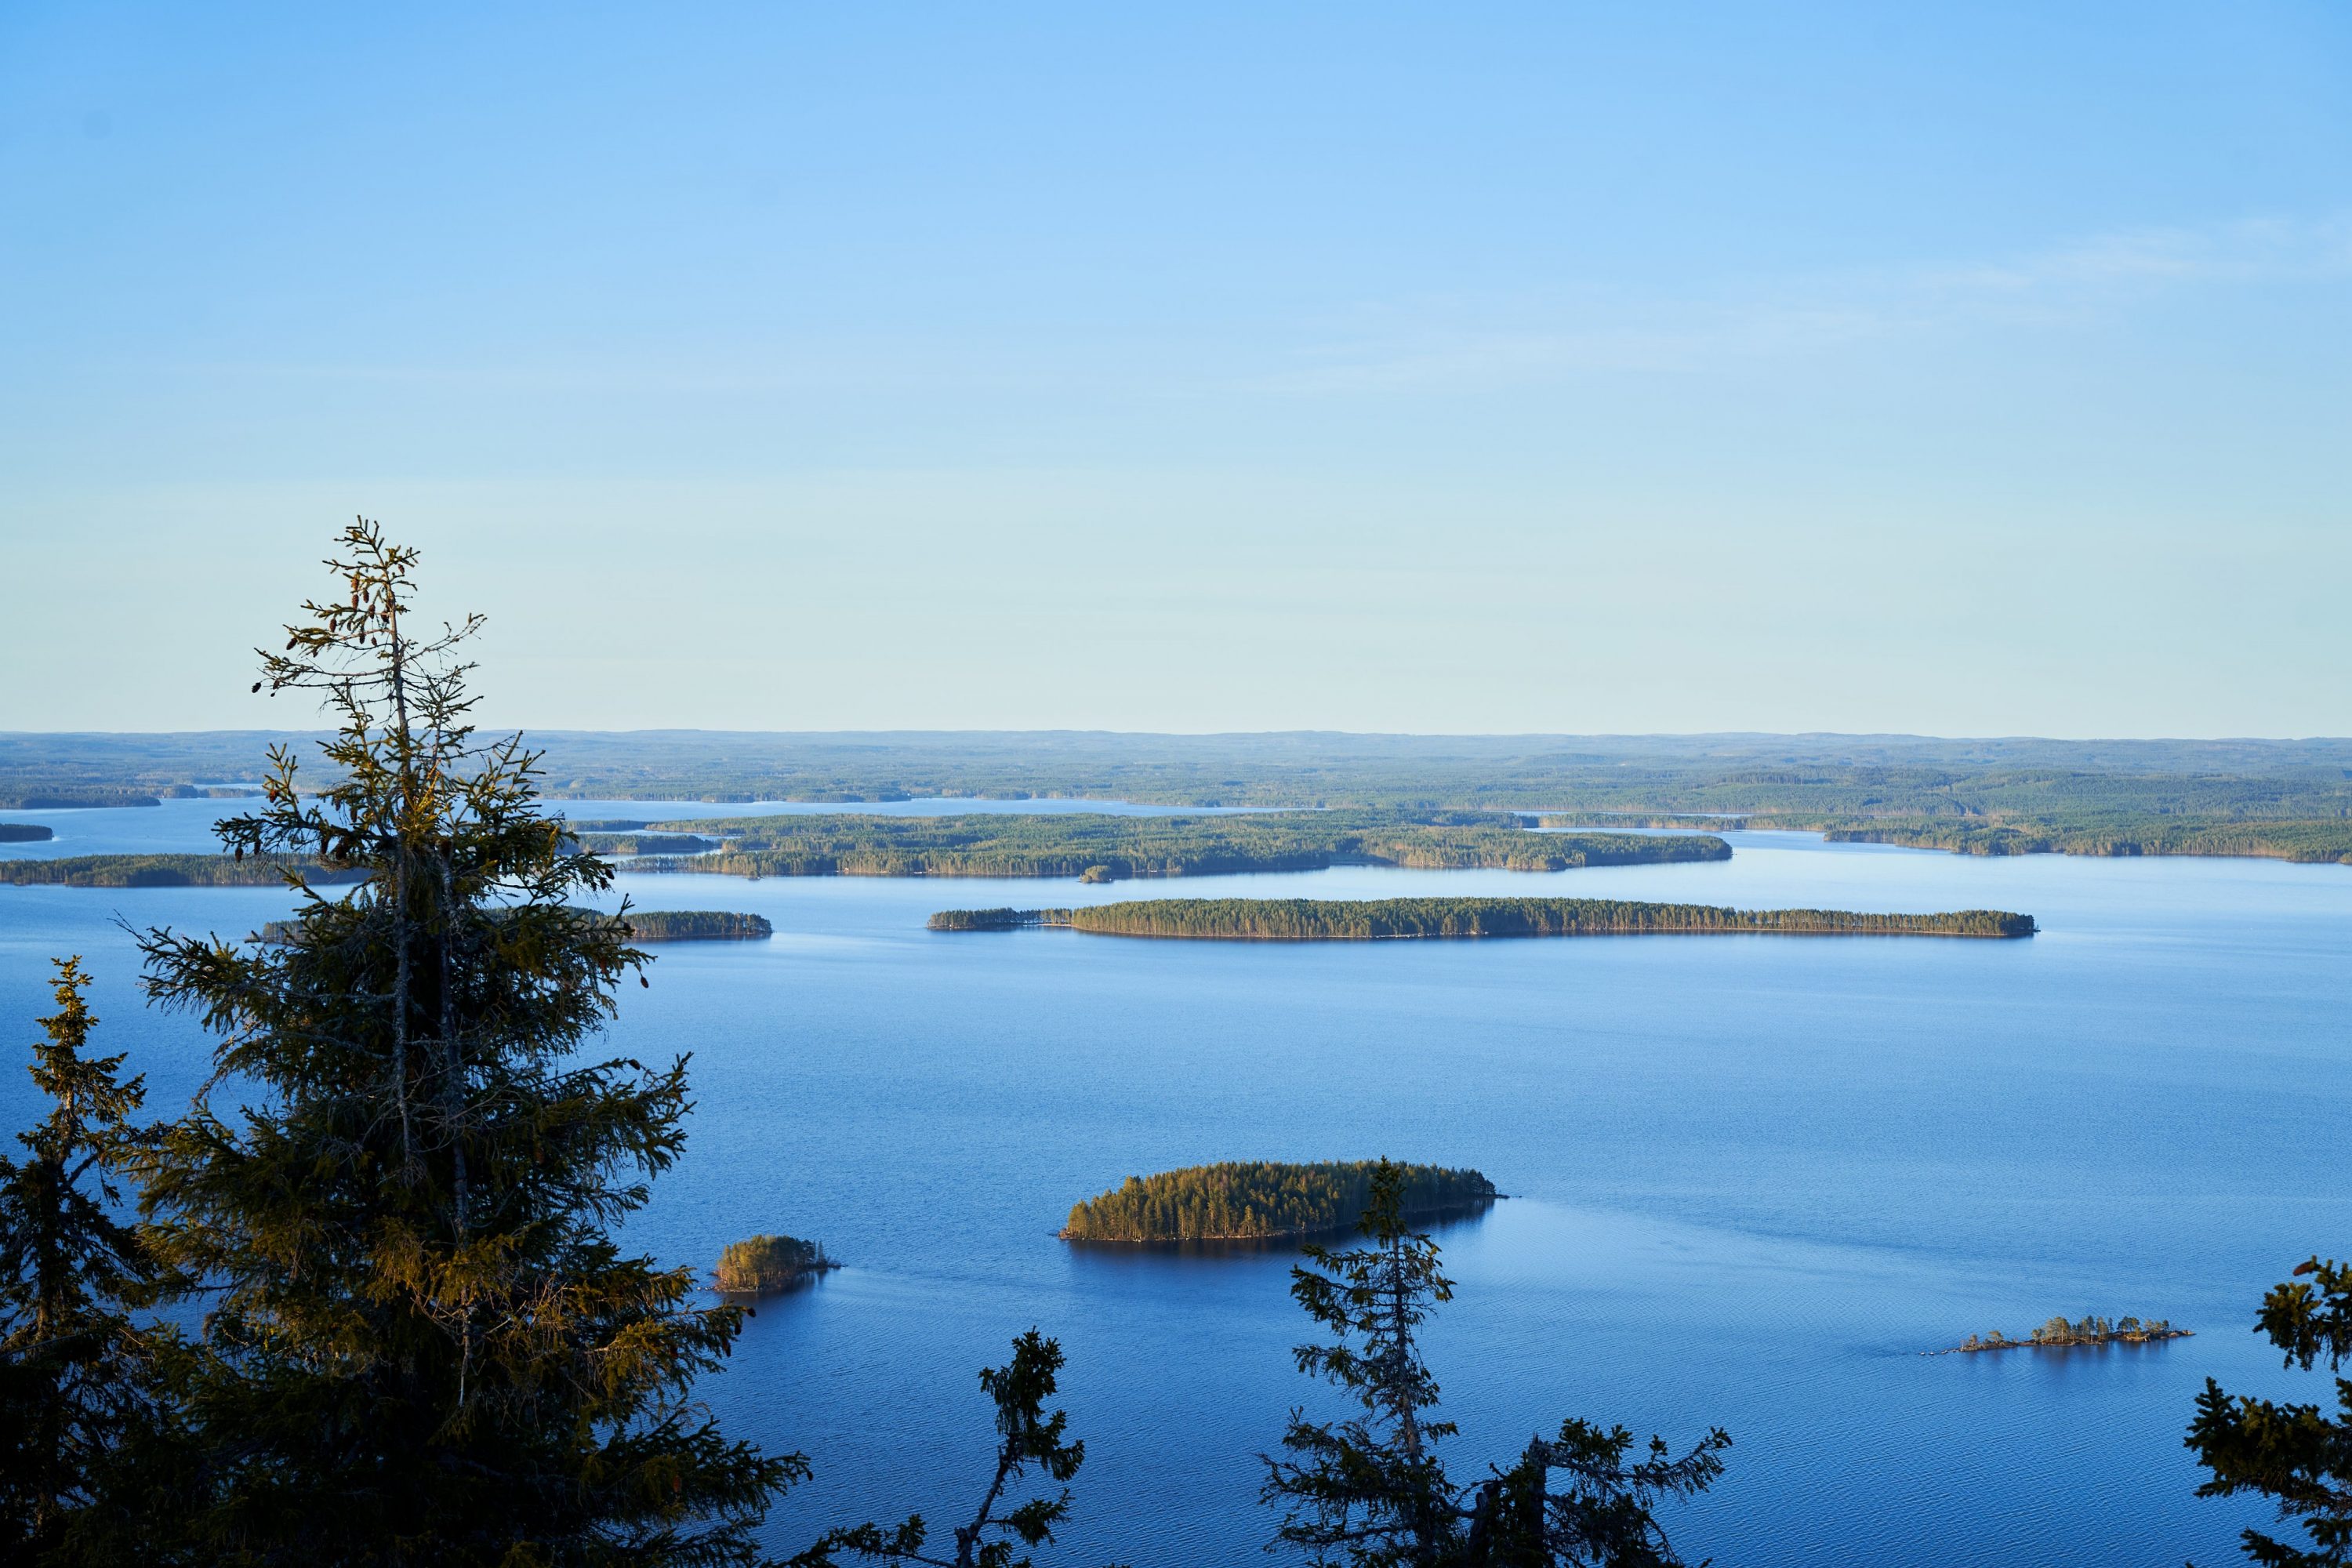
(1252, 1200)
(696, 925)
(166, 871)
(1104, 848)
(1348, 920)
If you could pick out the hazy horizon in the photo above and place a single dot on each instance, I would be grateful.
(1529, 369)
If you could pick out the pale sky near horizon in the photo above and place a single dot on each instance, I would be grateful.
(1963, 369)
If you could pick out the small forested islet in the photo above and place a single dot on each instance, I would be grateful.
(696, 925)
(764, 1264)
(1259, 1199)
(2059, 1333)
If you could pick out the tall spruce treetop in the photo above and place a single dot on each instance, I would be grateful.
(1371, 1490)
(70, 1357)
(422, 1343)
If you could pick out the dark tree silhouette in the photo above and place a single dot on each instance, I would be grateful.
(1026, 1435)
(2299, 1455)
(74, 1364)
(1371, 1491)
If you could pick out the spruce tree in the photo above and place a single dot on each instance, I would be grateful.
(1025, 1436)
(1371, 1491)
(2298, 1456)
(73, 1363)
(421, 1343)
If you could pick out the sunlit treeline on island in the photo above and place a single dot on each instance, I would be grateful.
(1257, 1200)
(696, 925)
(1102, 848)
(1349, 920)
(645, 843)
(2105, 834)
(764, 1265)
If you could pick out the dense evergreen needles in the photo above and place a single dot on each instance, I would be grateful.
(1246, 1200)
(421, 1343)
(2297, 1455)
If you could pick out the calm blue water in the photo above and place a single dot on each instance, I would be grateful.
(1756, 1175)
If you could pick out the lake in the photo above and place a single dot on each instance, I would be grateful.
(1753, 1177)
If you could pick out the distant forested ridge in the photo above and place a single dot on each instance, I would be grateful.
(1255, 1200)
(2318, 841)
(1104, 848)
(1093, 846)
(2286, 799)
(696, 925)
(24, 832)
(166, 871)
(1344, 919)
(71, 799)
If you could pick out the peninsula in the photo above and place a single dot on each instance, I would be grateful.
(24, 832)
(1260, 1200)
(1337, 920)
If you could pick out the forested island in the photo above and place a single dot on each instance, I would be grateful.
(643, 842)
(1259, 1200)
(2058, 1333)
(1097, 846)
(1349, 919)
(167, 871)
(766, 1264)
(696, 925)
(72, 799)
(24, 832)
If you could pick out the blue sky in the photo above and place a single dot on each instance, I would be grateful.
(1974, 368)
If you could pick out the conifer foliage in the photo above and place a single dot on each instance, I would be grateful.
(1371, 1490)
(1026, 1436)
(421, 1343)
(2298, 1456)
(73, 1365)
